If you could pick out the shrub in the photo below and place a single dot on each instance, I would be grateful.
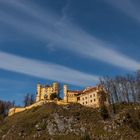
(86, 137)
(135, 125)
(53, 96)
(104, 112)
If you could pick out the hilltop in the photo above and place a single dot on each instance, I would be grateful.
(72, 122)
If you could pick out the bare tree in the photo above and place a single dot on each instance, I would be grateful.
(106, 83)
(138, 85)
(32, 99)
(28, 99)
(122, 88)
(4, 107)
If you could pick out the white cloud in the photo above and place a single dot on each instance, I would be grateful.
(65, 35)
(45, 70)
(65, 11)
(128, 7)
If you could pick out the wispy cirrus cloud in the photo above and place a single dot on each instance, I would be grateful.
(128, 7)
(45, 70)
(49, 27)
(65, 10)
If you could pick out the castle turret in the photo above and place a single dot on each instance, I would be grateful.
(65, 89)
(56, 87)
(38, 96)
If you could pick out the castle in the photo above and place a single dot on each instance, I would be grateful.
(90, 97)
(45, 92)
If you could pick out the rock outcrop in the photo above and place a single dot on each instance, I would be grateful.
(71, 122)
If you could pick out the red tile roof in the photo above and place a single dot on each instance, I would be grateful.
(75, 91)
(82, 91)
(89, 89)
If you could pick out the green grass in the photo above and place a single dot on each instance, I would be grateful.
(25, 122)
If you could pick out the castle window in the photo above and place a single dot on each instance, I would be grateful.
(78, 98)
(90, 96)
(83, 103)
(91, 101)
(94, 100)
(85, 97)
(86, 102)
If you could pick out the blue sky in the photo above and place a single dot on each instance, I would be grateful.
(69, 41)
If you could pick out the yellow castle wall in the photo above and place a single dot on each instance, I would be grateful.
(13, 111)
(71, 97)
(88, 98)
(46, 90)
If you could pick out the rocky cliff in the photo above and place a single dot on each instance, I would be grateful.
(72, 122)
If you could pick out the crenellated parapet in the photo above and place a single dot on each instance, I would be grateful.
(44, 92)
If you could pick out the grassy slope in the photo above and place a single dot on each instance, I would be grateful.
(33, 124)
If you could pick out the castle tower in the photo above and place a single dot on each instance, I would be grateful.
(38, 96)
(56, 87)
(65, 89)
